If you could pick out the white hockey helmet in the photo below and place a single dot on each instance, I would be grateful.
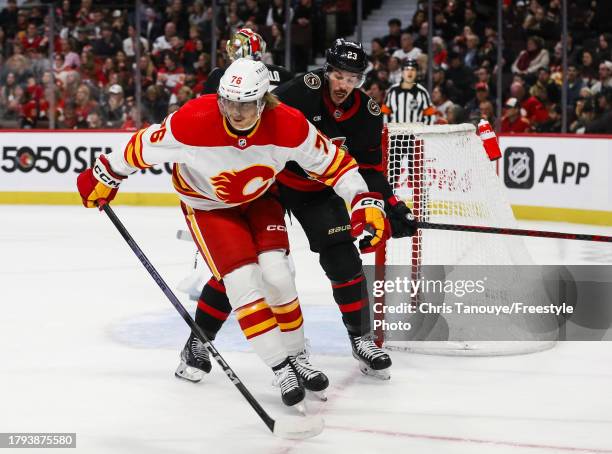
(243, 86)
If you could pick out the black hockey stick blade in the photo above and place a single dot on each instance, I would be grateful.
(516, 232)
(291, 427)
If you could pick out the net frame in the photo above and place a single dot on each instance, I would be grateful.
(419, 173)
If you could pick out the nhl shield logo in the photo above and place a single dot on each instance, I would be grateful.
(242, 142)
(519, 168)
(312, 81)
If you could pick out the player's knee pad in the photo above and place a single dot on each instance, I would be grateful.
(244, 285)
(341, 262)
(278, 277)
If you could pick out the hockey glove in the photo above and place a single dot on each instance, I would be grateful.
(401, 218)
(368, 214)
(98, 183)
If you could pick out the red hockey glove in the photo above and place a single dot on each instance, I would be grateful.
(368, 214)
(98, 183)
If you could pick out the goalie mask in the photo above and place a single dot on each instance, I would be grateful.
(241, 91)
(245, 43)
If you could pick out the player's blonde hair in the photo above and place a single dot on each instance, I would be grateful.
(271, 100)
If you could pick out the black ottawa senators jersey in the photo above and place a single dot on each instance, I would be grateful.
(356, 124)
(278, 76)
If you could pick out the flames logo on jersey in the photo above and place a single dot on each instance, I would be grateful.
(241, 186)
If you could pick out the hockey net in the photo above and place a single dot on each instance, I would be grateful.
(444, 175)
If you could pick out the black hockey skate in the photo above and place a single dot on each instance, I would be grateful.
(292, 390)
(311, 378)
(195, 361)
(372, 360)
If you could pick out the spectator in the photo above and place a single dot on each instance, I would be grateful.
(94, 120)
(533, 58)
(276, 13)
(440, 54)
(277, 45)
(32, 40)
(407, 49)
(455, 115)
(417, 21)
(439, 98)
(108, 44)
(151, 27)
(8, 18)
(376, 91)
(605, 77)
(487, 112)
(395, 70)
(553, 92)
(588, 70)
(574, 83)
(377, 49)
(534, 106)
(470, 58)
(84, 105)
(512, 120)
(163, 42)
(129, 43)
(603, 51)
(170, 74)
(392, 41)
(553, 124)
(421, 40)
(602, 123)
(472, 108)
(154, 106)
(584, 113)
(114, 112)
(183, 95)
(460, 77)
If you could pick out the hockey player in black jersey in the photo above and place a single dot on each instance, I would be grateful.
(330, 99)
(245, 43)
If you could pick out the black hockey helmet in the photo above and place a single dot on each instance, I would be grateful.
(347, 56)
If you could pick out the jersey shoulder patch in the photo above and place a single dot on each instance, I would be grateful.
(312, 81)
(373, 107)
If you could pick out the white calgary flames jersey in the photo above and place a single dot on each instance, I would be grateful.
(215, 168)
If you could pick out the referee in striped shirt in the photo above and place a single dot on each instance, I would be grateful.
(408, 101)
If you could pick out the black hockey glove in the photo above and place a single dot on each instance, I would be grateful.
(401, 218)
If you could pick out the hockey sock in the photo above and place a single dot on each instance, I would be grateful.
(290, 321)
(261, 330)
(213, 308)
(352, 299)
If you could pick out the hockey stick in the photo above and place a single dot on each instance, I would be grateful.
(517, 232)
(292, 427)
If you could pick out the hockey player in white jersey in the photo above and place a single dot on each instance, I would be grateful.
(226, 150)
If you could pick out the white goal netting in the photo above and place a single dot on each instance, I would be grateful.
(444, 175)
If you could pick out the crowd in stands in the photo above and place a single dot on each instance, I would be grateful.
(465, 63)
(91, 81)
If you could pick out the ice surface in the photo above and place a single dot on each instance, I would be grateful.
(89, 344)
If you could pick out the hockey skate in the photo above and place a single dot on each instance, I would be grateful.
(195, 361)
(311, 378)
(372, 360)
(292, 390)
